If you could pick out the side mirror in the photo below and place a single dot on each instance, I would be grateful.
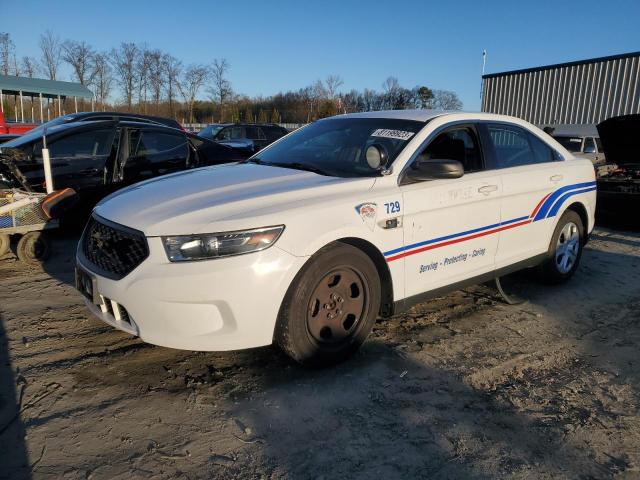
(424, 169)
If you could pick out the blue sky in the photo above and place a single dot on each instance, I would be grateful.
(275, 45)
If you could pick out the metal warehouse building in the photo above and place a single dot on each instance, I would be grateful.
(583, 92)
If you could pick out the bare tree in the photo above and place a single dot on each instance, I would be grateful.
(6, 51)
(79, 56)
(333, 83)
(29, 66)
(172, 68)
(194, 77)
(446, 100)
(221, 88)
(51, 51)
(143, 64)
(157, 76)
(123, 60)
(102, 77)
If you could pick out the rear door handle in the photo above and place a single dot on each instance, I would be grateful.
(556, 178)
(487, 189)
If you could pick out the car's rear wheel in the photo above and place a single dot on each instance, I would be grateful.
(565, 249)
(330, 307)
(5, 243)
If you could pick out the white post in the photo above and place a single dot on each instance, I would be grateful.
(92, 102)
(1, 101)
(75, 103)
(59, 107)
(21, 108)
(46, 160)
(41, 112)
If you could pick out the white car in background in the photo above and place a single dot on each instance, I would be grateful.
(346, 219)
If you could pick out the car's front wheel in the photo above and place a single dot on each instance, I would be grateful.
(565, 249)
(330, 307)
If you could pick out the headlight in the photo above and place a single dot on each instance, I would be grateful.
(205, 246)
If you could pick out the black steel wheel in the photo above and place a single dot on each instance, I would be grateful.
(330, 307)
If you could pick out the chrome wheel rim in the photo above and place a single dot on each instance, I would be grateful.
(568, 247)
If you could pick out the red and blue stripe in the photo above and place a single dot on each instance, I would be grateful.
(547, 207)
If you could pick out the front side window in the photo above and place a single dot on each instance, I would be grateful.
(231, 133)
(338, 146)
(457, 143)
(210, 132)
(92, 143)
(589, 145)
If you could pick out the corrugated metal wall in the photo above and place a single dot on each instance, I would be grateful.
(576, 93)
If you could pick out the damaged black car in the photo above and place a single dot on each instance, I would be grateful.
(619, 187)
(96, 158)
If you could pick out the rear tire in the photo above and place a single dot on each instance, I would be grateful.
(33, 248)
(565, 249)
(330, 307)
(5, 243)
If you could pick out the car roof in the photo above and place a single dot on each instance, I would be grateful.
(423, 115)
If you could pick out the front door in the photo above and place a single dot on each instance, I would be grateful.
(450, 225)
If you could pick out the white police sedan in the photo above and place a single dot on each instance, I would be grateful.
(346, 219)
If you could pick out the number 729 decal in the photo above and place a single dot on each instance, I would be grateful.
(392, 207)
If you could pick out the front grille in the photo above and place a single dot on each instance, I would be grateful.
(114, 249)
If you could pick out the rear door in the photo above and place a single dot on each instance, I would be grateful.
(450, 225)
(153, 152)
(530, 172)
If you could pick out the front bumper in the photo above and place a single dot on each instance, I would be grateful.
(214, 305)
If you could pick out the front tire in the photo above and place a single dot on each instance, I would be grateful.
(565, 249)
(330, 307)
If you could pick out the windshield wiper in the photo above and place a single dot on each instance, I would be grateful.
(300, 166)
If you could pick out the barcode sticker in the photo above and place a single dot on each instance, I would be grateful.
(397, 134)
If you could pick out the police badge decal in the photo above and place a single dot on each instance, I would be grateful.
(367, 212)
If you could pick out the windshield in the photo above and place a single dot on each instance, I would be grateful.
(56, 121)
(339, 147)
(573, 144)
(210, 131)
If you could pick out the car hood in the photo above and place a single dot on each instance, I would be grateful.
(222, 198)
(620, 137)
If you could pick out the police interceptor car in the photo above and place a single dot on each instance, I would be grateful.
(307, 242)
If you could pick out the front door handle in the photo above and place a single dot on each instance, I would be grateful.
(487, 189)
(556, 178)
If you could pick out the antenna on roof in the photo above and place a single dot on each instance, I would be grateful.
(484, 62)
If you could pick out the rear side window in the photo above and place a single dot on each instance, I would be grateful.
(255, 133)
(150, 144)
(543, 153)
(515, 147)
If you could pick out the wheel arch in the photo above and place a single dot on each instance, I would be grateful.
(582, 212)
(376, 256)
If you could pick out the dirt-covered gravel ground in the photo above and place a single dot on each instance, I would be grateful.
(461, 387)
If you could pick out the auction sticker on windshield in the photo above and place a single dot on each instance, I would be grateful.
(397, 134)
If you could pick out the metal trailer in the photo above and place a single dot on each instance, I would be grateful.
(21, 214)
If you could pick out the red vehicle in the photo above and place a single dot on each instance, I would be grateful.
(14, 128)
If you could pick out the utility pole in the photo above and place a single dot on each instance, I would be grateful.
(484, 62)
